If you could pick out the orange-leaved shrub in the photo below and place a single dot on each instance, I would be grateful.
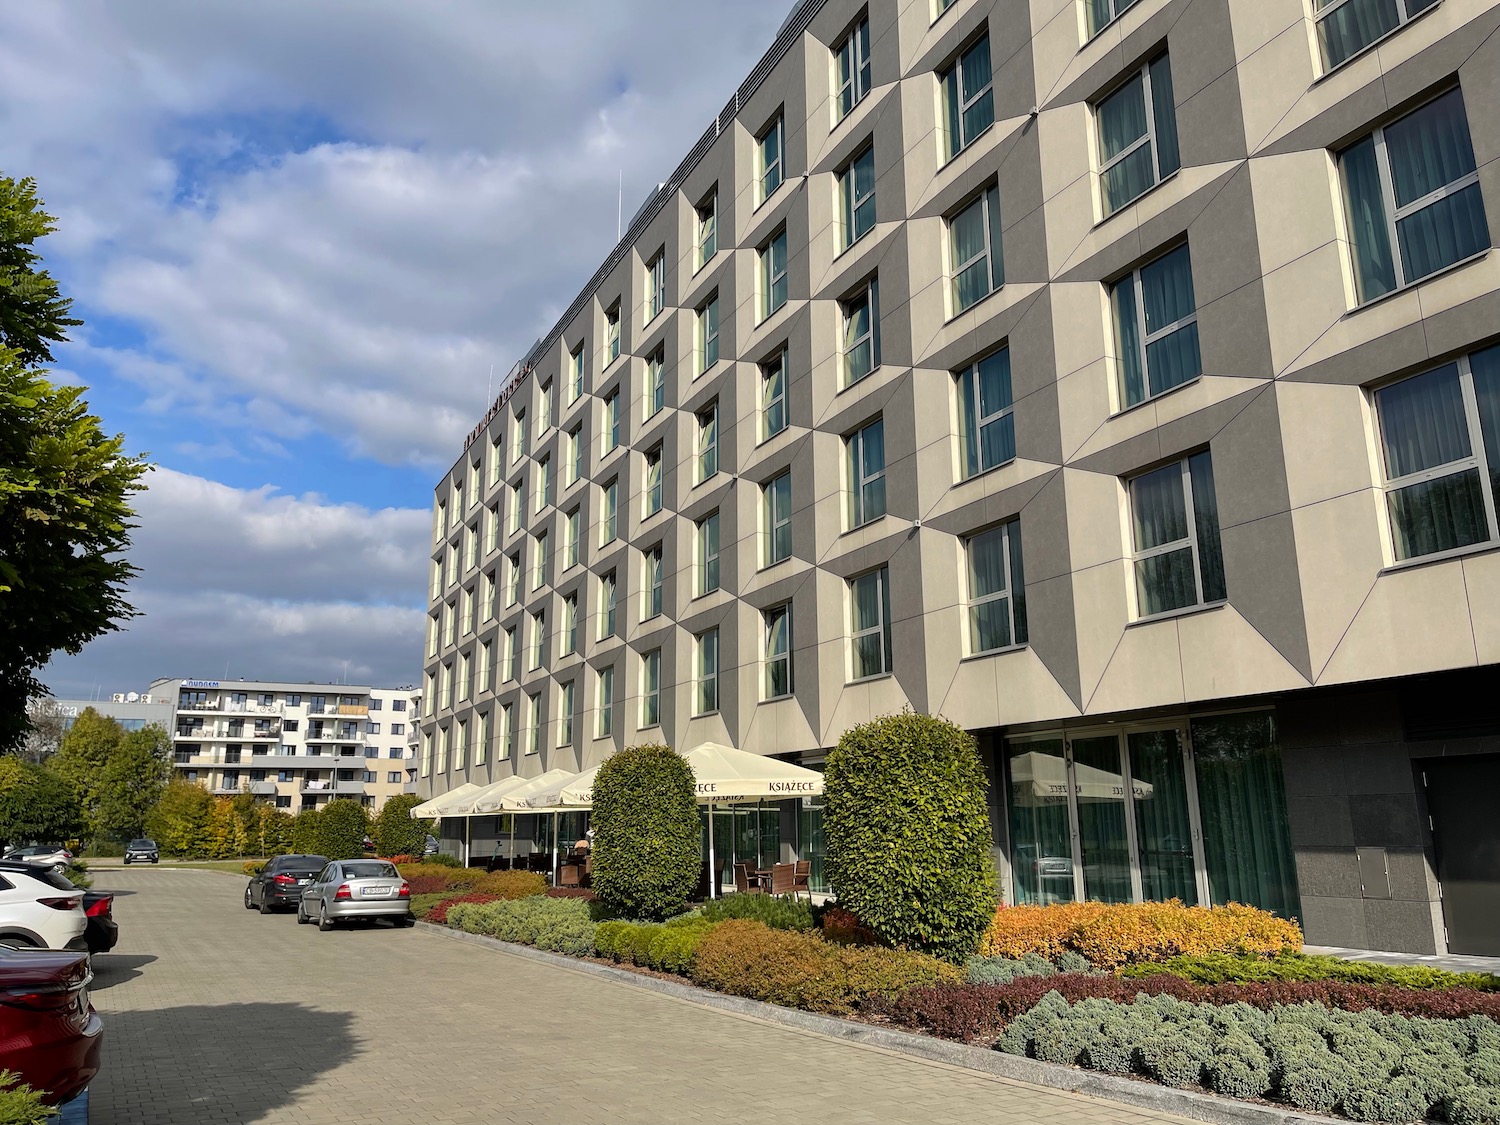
(1111, 935)
(428, 878)
(800, 970)
(842, 926)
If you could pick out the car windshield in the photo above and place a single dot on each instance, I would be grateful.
(143, 843)
(370, 869)
(302, 864)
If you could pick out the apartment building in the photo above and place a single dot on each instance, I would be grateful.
(299, 745)
(1117, 378)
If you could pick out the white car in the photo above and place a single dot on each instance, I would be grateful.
(48, 855)
(39, 908)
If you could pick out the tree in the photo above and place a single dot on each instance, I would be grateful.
(179, 823)
(307, 834)
(36, 805)
(65, 515)
(226, 836)
(84, 755)
(342, 827)
(273, 830)
(908, 831)
(647, 836)
(133, 781)
(395, 832)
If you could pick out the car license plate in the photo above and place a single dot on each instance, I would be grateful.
(303, 882)
(377, 892)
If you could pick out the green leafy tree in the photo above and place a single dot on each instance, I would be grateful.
(273, 830)
(342, 827)
(36, 805)
(179, 822)
(83, 757)
(908, 831)
(226, 831)
(647, 837)
(395, 832)
(133, 781)
(307, 833)
(65, 515)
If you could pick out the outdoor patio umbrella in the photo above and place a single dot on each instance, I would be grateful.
(725, 775)
(576, 791)
(513, 800)
(455, 802)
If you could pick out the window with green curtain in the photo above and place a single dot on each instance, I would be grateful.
(1347, 27)
(987, 431)
(1041, 850)
(1163, 829)
(1101, 13)
(1138, 135)
(866, 453)
(997, 602)
(1156, 327)
(968, 97)
(1179, 561)
(1247, 842)
(975, 250)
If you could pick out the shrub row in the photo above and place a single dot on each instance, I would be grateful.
(1110, 935)
(1226, 968)
(421, 905)
(982, 1011)
(800, 970)
(428, 879)
(782, 912)
(1368, 1065)
(562, 925)
(438, 913)
(1003, 970)
(668, 947)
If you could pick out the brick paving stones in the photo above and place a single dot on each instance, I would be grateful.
(218, 1016)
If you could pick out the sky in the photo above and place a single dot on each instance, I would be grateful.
(305, 240)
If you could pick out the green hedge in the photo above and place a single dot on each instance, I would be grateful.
(342, 827)
(395, 832)
(562, 925)
(1003, 970)
(908, 833)
(647, 855)
(667, 947)
(780, 912)
(1228, 968)
(1366, 1065)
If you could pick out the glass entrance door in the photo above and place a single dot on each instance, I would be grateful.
(1163, 824)
(1103, 827)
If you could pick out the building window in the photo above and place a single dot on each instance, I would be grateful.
(1156, 328)
(512, 653)
(507, 732)
(518, 435)
(653, 481)
(975, 250)
(393, 777)
(778, 632)
(651, 688)
(778, 519)
(570, 625)
(534, 723)
(866, 450)
(575, 454)
(708, 334)
(396, 704)
(491, 596)
(538, 638)
(857, 197)
(575, 374)
(492, 528)
(611, 521)
(771, 159)
(653, 582)
(1439, 433)
(539, 570)
(513, 591)
(862, 333)
(656, 383)
(773, 395)
(612, 421)
(656, 284)
(968, 97)
(606, 720)
(544, 410)
(544, 482)
(708, 554)
(1413, 185)
(1347, 27)
(870, 621)
(497, 460)
(1102, 13)
(708, 442)
(1178, 559)
(486, 734)
(517, 506)
(572, 534)
(997, 590)
(1137, 135)
(486, 672)
(706, 680)
(607, 593)
(565, 717)
(612, 333)
(708, 228)
(853, 67)
(773, 274)
(987, 424)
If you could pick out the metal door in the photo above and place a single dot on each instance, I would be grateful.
(1461, 796)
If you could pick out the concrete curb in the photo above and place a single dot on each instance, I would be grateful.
(1133, 1092)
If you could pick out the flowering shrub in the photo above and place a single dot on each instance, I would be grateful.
(439, 911)
(1110, 935)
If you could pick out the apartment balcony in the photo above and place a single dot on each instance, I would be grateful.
(250, 708)
(305, 761)
(353, 710)
(333, 788)
(335, 736)
(205, 706)
(273, 731)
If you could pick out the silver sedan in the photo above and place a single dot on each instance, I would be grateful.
(356, 888)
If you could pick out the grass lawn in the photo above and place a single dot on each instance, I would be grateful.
(231, 866)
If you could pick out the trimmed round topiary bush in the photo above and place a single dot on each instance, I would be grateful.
(342, 827)
(646, 833)
(395, 832)
(908, 833)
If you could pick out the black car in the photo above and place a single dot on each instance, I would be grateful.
(141, 851)
(102, 932)
(281, 882)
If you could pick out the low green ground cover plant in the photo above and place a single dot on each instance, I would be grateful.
(562, 925)
(780, 912)
(668, 947)
(421, 905)
(19, 1103)
(1227, 968)
(1003, 970)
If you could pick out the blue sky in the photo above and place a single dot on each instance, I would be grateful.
(302, 237)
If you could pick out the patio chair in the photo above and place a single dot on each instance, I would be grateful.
(802, 879)
(567, 876)
(783, 878)
(746, 881)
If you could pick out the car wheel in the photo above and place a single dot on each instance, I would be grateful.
(325, 923)
(21, 942)
(408, 922)
(302, 918)
(127, 861)
(248, 904)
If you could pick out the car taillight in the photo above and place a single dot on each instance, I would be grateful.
(61, 903)
(100, 908)
(284, 880)
(47, 997)
(405, 891)
(343, 891)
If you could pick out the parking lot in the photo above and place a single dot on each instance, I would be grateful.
(216, 1015)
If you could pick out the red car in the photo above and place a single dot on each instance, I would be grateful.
(49, 1032)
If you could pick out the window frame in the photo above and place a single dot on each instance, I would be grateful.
(604, 721)
(705, 679)
(538, 640)
(992, 256)
(652, 492)
(610, 404)
(882, 576)
(539, 561)
(773, 368)
(867, 298)
(707, 563)
(706, 237)
(1117, 9)
(566, 698)
(572, 537)
(1404, 16)
(971, 422)
(852, 68)
(513, 583)
(575, 459)
(1149, 137)
(654, 582)
(768, 658)
(609, 520)
(850, 202)
(854, 450)
(706, 451)
(1145, 340)
(708, 334)
(770, 278)
(1007, 531)
(575, 374)
(656, 382)
(656, 285)
(775, 520)
(763, 166)
(612, 333)
(570, 625)
(951, 82)
(651, 692)
(609, 593)
(1138, 555)
(544, 482)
